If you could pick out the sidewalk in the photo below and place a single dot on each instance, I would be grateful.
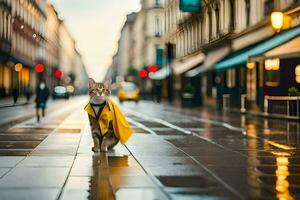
(64, 167)
(236, 110)
(9, 102)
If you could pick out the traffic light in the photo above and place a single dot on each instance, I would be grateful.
(58, 73)
(143, 73)
(153, 68)
(39, 68)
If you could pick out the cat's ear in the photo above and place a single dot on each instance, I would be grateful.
(92, 83)
(107, 84)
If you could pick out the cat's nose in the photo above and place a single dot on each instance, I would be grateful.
(98, 95)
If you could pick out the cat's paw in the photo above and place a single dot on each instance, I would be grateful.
(95, 149)
(103, 148)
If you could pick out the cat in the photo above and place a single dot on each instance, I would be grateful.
(99, 93)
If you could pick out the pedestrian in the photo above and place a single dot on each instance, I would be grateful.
(42, 94)
(15, 94)
(28, 93)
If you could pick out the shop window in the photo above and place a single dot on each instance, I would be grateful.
(231, 78)
(272, 68)
(297, 73)
(272, 78)
(251, 82)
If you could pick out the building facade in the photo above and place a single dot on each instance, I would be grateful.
(5, 46)
(140, 39)
(220, 30)
(29, 53)
(52, 45)
(23, 36)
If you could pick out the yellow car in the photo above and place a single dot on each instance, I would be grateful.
(129, 92)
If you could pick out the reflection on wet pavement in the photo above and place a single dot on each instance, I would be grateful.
(186, 155)
(261, 161)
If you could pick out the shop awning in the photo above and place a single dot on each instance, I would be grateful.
(241, 57)
(161, 74)
(18, 59)
(290, 48)
(210, 59)
(181, 67)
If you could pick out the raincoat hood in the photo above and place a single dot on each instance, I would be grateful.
(111, 112)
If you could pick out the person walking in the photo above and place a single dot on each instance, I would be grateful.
(42, 95)
(15, 94)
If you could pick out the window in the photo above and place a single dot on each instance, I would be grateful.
(269, 7)
(157, 27)
(247, 2)
(230, 80)
(217, 20)
(232, 14)
(157, 3)
(209, 24)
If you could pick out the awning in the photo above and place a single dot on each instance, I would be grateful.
(241, 57)
(161, 74)
(290, 48)
(210, 59)
(181, 67)
(18, 59)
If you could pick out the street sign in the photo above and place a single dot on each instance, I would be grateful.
(192, 6)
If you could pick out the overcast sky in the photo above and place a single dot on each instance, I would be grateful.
(96, 26)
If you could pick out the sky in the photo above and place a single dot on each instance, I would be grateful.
(96, 26)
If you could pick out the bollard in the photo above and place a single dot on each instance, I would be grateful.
(297, 109)
(288, 107)
(243, 102)
(226, 103)
(266, 105)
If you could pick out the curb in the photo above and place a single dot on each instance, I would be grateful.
(14, 105)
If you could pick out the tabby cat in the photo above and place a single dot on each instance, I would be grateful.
(99, 93)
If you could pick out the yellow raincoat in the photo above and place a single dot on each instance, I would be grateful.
(111, 112)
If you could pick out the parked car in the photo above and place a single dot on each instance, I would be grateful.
(60, 92)
(129, 92)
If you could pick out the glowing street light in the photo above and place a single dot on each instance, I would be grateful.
(18, 67)
(277, 20)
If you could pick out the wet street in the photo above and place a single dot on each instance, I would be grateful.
(175, 153)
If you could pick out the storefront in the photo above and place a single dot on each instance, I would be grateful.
(280, 74)
(5, 79)
(244, 75)
(205, 74)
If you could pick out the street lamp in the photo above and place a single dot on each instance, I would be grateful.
(277, 19)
